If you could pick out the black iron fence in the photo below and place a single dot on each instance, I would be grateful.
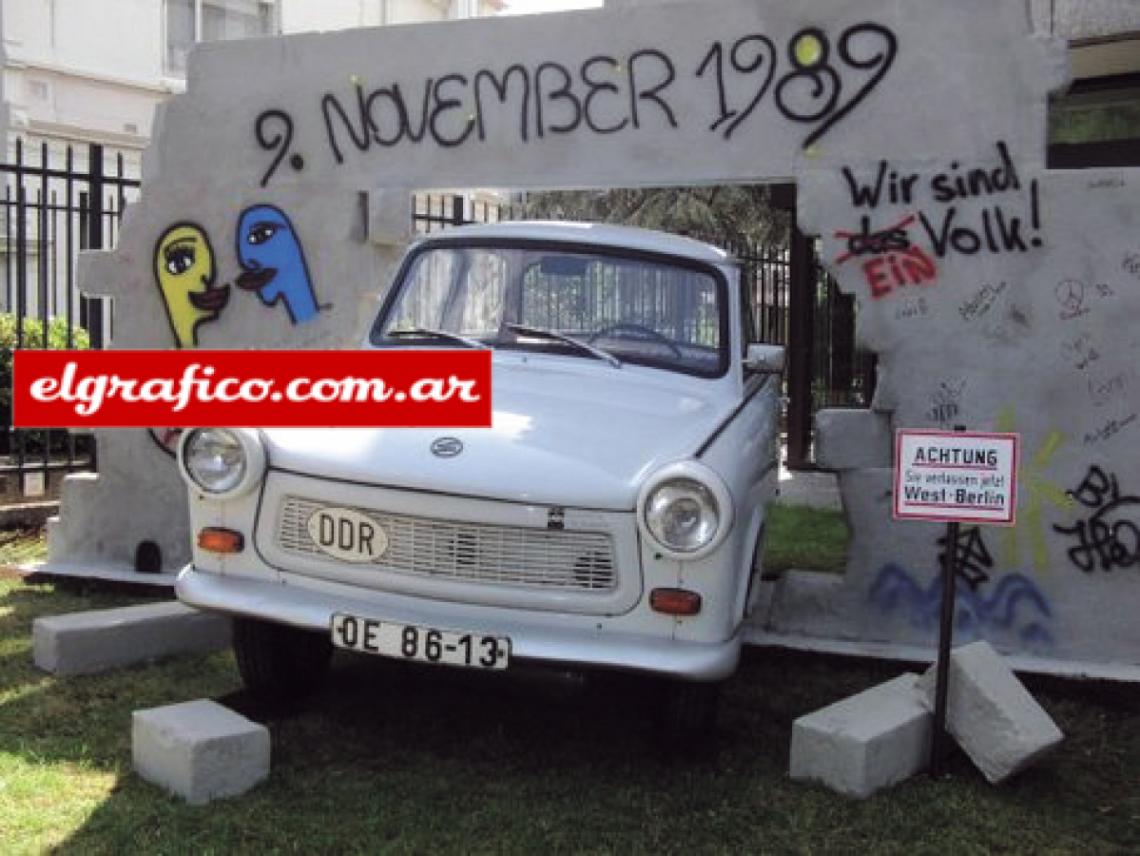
(839, 374)
(56, 202)
(843, 374)
(434, 211)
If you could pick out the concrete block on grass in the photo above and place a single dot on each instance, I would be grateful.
(992, 716)
(199, 750)
(866, 742)
(81, 643)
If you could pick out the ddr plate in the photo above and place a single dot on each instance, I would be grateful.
(346, 534)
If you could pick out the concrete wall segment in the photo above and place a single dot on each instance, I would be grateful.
(996, 294)
(296, 73)
(1033, 337)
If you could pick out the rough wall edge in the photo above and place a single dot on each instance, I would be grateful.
(1124, 672)
(151, 157)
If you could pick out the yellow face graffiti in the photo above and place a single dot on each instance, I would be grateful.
(184, 269)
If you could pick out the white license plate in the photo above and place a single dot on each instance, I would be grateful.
(425, 644)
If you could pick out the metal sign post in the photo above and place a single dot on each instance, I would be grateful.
(945, 635)
(953, 477)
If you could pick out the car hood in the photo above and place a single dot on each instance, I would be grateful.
(560, 436)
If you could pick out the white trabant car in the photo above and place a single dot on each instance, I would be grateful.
(611, 517)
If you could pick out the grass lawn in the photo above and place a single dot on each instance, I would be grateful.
(805, 538)
(19, 546)
(391, 758)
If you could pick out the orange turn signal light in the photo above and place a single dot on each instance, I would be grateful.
(675, 601)
(219, 540)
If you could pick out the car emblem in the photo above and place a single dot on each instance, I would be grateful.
(446, 447)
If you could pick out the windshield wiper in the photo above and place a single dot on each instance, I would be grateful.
(569, 340)
(424, 332)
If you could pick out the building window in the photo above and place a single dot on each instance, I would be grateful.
(191, 21)
(1097, 111)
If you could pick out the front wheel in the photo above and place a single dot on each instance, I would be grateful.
(278, 662)
(689, 709)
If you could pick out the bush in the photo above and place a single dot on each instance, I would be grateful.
(32, 339)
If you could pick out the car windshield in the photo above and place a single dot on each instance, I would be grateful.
(635, 308)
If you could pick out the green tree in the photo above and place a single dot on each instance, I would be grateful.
(721, 214)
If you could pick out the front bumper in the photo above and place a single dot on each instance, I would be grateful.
(532, 637)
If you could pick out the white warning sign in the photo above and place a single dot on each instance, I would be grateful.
(967, 477)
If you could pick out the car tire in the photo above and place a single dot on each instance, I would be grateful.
(278, 662)
(689, 709)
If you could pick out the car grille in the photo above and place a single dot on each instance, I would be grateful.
(470, 552)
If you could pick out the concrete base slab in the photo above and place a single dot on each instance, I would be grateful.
(759, 637)
(866, 742)
(992, 716)
(199, 750)
(113, 572)
(82, 643)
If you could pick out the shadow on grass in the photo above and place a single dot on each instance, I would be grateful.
(415, 758)
(84, 718)
(36, 595)
(441, 759)
(391, 756)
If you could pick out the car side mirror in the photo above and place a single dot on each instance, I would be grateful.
(765, 359)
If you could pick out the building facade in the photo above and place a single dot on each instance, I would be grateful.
(93, 71)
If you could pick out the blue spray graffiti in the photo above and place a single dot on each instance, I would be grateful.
(1016, 605)
(273, 262)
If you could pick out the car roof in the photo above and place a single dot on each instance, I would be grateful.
(571, 232)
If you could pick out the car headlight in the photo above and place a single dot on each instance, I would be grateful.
(686, 509)
(221, 462)
(682, 514)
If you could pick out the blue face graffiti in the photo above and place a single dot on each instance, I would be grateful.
(273, 262)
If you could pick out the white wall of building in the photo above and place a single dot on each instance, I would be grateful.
(71, 74)
(412, 11)
(80, 35)
(80, 71)
(298, 17)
